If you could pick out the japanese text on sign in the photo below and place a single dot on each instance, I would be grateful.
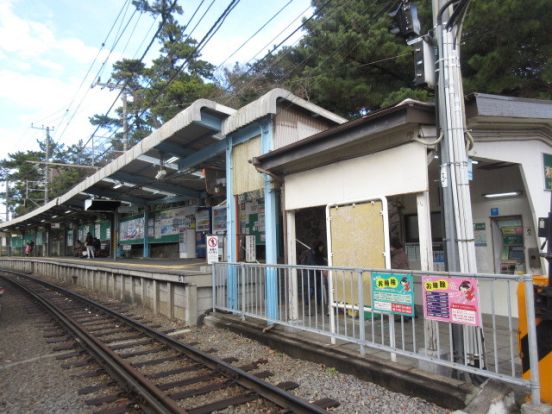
(451, 299)
(393, 293)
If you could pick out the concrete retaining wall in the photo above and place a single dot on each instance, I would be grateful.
(176, 295)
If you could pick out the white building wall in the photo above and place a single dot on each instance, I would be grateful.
(398, 170)
(529, 154)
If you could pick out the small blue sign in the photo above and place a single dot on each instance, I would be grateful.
(494, 212)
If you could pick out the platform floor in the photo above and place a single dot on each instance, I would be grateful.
(161, 265)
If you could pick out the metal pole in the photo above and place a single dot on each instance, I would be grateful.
(125, 124)
(46, 167)
(532, 339)
(7, 199)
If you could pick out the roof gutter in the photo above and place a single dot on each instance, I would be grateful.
(256, 163)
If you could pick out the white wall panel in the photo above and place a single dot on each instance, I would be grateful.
(395, 171)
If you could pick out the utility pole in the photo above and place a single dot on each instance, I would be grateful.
(47, 159)
(124, 98)
(7, 198)
(457, 210)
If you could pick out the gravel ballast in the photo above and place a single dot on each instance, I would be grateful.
(43, 386)
(31, 379)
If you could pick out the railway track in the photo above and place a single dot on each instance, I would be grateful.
(148, 370)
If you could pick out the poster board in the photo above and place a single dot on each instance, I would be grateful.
(451, 299)
(219, 219)
(393, 293)
(357, 238)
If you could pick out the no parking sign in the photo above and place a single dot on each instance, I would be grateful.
(212, 249)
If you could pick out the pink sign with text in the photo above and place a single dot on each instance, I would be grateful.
(451, 299)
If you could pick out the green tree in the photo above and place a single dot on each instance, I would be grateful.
(508, 48)
(175, 79)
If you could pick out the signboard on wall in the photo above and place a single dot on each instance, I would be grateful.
(174, 221)
(202, 218)
(393, 293)
(451, 299)
(212, 249)
(219, 219)
(547, 158)
(69, 238)
(250, 248)
(132, 229)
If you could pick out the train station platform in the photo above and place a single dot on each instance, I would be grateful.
(170, 266)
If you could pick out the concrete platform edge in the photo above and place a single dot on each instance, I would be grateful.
(446, 392)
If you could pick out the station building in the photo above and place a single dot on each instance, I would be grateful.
(273, 177)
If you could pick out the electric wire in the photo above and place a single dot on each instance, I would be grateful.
(115, 43)
(127, 2)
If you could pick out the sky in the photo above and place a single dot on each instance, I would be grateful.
(48, 46)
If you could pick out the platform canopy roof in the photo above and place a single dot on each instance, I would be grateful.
(165, 167)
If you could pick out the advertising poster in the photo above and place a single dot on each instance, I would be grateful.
(173, 221)
(132, 229)
(393, 293)
(202, 218)
(451, 299)
(219, 219)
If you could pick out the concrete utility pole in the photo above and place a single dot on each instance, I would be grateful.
(7, 198)
(459, 241)
(47, 159)
(124, 98)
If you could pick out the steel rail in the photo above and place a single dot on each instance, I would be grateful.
(127, 376)
(268, 391)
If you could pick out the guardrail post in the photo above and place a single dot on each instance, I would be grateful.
(532, 339)
(213, 286)
(362, 327)
(241, 274)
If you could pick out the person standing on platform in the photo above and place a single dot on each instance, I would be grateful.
(89, 242)
(399, 259)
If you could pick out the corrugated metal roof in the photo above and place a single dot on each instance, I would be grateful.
(266, 105)
(511, 107)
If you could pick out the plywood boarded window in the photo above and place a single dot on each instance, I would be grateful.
(357, 234)
(246, 177)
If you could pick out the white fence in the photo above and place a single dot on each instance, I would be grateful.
(421, 322)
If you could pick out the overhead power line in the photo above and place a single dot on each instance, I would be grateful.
(123, 8)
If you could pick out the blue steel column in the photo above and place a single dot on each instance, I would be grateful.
(146, 232)
(231, 231)
(271, 227)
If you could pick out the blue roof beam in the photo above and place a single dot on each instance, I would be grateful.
(202, 155)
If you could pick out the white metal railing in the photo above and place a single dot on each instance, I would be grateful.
(336, 302)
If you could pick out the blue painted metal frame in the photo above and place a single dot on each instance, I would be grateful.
(231, 231)
(146, 250)
(271, 225)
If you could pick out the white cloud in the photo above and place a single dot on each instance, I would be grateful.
(31, 39)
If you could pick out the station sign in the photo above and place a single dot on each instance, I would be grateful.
(212, 249)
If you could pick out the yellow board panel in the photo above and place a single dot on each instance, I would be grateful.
(357, 240)
(246, 177)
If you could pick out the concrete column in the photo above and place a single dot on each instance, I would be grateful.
(170, 299)
(426, 261)
(122, 296)
(144, 291)
(155, 288)
(190, 294)
(292, 259)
